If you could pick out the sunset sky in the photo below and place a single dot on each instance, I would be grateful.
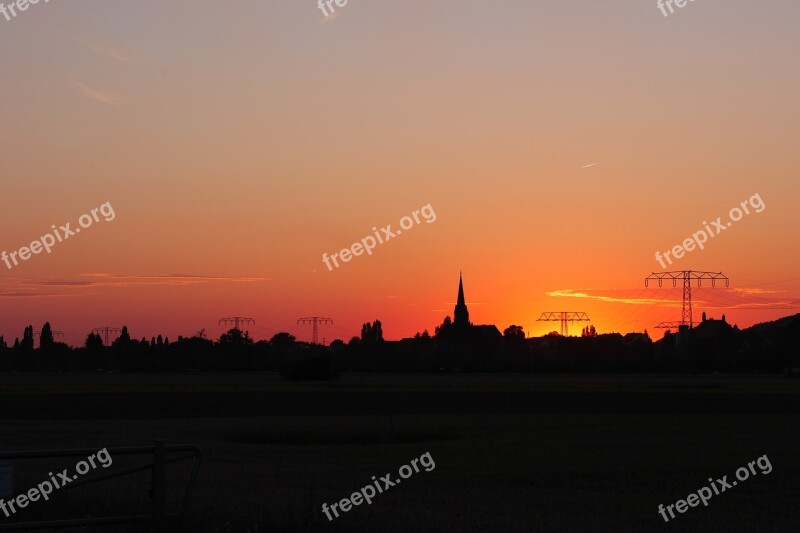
(560, 144)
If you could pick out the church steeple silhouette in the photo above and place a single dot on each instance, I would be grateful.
(460, 314)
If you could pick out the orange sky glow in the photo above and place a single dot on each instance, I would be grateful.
(560, 147)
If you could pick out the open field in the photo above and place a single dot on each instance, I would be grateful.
(512, 453)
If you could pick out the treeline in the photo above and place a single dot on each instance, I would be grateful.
(712, 346)
(233, 351)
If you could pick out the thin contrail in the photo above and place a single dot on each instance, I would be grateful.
(587, 166)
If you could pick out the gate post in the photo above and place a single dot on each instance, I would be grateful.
(159, 482)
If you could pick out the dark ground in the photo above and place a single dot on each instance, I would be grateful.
(512, 453)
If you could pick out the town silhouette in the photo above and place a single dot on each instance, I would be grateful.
(456, 345)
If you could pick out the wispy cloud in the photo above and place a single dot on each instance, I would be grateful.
(39, 288)
(569, 293)
(60, 283)
(751, 291)
(589, 165)
(98, 95)
(102, 278)
(739, 298)
(103, 49)
(23, 295)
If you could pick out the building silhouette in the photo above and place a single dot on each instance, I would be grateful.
(462, 331)
(461, 313)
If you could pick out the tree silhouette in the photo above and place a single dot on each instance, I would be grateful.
(336, 345)
(446, 326)
(94, 342)
(282, 341)
(366, 332)
(46, 337)
(514, 332)
(372, 333)
(27, 340)
(233, 337)
(588, 331)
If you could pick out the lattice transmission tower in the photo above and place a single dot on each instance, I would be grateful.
(236, 321)
(687, 276)
(56, 334)
(315, 321)
(565, 317)
(105, 331)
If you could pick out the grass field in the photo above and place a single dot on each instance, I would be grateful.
(512, 453)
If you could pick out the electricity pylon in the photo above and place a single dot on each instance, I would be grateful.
(236, 321)
(315, 321)
(565, 317)
(687, 276)
(56, 334)
(105, 331)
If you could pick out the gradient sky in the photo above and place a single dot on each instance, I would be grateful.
(560, 144)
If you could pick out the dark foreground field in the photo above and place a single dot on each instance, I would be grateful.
(511, 453)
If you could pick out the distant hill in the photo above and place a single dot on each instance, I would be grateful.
(785, 323)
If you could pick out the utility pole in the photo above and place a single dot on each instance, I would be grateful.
(687, 276)
(105, 330)
(237, 321)
(315, 321)
(564, 317)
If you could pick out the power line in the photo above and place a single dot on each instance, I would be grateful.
(687, 276)
(56, 334)
(237, 321)
(564, 317)
(315, 321)
(105, 330)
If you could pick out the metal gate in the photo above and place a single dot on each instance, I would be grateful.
(160, 453)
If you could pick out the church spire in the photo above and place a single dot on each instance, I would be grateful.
(461, 315)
